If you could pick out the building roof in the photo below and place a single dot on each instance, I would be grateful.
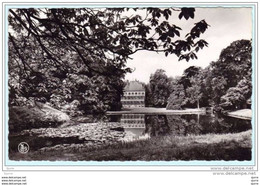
(134, 86)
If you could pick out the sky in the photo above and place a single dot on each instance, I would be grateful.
(226, 25)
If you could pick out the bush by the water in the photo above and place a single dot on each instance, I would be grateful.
(21, 118)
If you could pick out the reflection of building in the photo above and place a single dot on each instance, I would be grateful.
(133, 120)
(134, 95)
(134, 125)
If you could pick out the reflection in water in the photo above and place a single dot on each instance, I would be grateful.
(134, 126)
(133, 120)
(141, 126)
(181, 125)
(157, 125)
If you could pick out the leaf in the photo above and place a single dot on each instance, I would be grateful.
(180, 15)
(186, 16)
(163, 37)
(158, 14)
(166, 15)
(187, 13)
(176, 32)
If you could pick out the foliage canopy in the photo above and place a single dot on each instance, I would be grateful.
(225, 84)
(79, 54)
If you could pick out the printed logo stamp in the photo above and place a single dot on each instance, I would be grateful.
(23, 147)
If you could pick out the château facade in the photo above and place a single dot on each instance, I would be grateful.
(134, 95)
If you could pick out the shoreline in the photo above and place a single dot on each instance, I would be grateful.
(152, 110)
(241, 114)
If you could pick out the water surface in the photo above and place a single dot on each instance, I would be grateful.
(129, 127)
(180, 125)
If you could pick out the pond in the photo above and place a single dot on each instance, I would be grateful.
(181, 125)
(125, 127)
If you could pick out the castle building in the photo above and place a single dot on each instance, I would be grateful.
(134, 95)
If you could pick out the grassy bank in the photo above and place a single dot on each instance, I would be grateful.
(235, 146)
(242, 114)
(168, 148)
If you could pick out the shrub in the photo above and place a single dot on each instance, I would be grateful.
(21, 118)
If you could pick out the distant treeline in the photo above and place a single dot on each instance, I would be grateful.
(225, 84)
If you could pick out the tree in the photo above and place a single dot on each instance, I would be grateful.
(233, 65)
(148, 96)
(176, 100)
(194, 92)
(224, 84)
(86, 48)
(188, 74)
(160, 88)
(187, 89)
(236, 97)
(206, 99)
